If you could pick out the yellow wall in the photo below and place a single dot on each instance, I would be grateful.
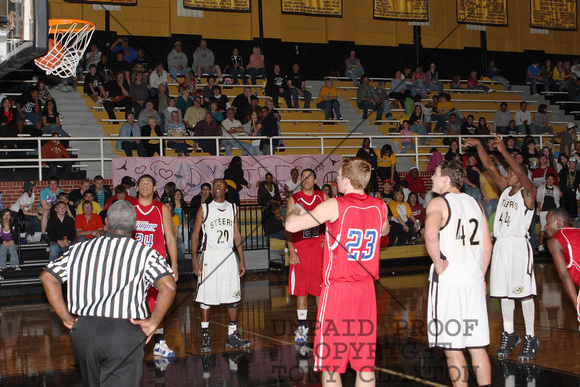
(159, 18)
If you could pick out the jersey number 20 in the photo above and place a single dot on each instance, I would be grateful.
(361, 244)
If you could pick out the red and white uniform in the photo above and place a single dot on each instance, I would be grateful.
(347, 313)
(306, 277)
(569, 239)
(149, 231)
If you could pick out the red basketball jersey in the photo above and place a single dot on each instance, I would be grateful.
(149, 227)
(569, 239)
(353, 240)
(311, 237)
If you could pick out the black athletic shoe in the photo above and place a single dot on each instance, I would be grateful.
(507, 343)
(531, 345)
(235, 341)
(206, 363)
(236, 357)
(509, 368)
(44, 239)
(205, 342)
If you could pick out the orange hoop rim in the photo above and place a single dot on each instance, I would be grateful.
(57, 22)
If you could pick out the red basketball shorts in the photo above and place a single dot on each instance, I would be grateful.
(306, 277)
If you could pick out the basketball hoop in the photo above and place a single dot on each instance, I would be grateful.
(68, 40)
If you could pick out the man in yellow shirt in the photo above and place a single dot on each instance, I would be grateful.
(89, 196)
(328, 101)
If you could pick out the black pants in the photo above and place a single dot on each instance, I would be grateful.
(109, 351)
(110, 106)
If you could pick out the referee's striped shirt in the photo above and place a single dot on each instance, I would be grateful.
(108, 276)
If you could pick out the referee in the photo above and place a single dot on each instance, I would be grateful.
(107, 280)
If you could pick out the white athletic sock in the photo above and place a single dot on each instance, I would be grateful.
(507, 311)
(529, 311)
(232, 328)
(159, 331)
(302, 314)
(204, 325)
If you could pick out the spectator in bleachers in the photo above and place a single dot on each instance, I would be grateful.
(119, 64)
(523, 118)
(48, 197)
(222, 100)
(276, 86)
(416, 183)
(8, 126)
(432, 79)
(256, 65)
(253, 128)
(511, 129)
(25, 203)
(207, 127)
(252, 107)
(576, 151)
(29, 108)
(151, 129)
(454, 152)
(102, 191)
(387, 164)
(531, 155)
(469, 128)
(292, 185)
(383, 95)
(76, 195)
(456, 82)
(534, 75)
(269, 129)
(511, 146)
(407, 142)
(417, 124)
(404, 226)
(471, 183)
(452, 128)
(397, 89)
(122, 44)
(569, 180)
(161, 100)
(51, 120)
(494, 73)
(88, 196)
(43, 93)
(189, 85)
(543, 170)
(61, 232)
(418, 212)
(241, 102)
(120, 194)
(146, 114)
(548, 198)
(9, 238)
(546, 71)
(367, 153)
(562, 161)
(268, 192)
(204, 62)
(501, 119)
(194, 114)
(87, 224)
(473, 83)
(92, 84)
(169, 109)
(296, 84)
(104, 69)
(567, 138)
(272, 222)
(574, 91)
(55, 150)
(208, 91)
(387, 194)
(184, 101)
(231, 128)
(419, 84)
(353, 68)
(482, 128)
(156, 79)
(130, 129)
(142, 60)
(367, 99)
(236, 67)
(116, 94)
(234, 178)
(444, 109)
(176, 128)
(177, 62)
(92, 56)
(434, 160)
(541, 122)
(547, 149)
(328, 101)
(408, 77)
(139, 92)
(558, 76)
(215, 113)
(204, 196)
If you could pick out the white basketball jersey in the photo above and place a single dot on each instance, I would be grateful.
(512, 218)
(218, 226)
(461, 241)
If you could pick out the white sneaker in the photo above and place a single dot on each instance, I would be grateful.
(541, 248)
(161, 349)
(30, 238)
(301, 335)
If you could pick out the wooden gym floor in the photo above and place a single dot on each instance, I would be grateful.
(35, 348)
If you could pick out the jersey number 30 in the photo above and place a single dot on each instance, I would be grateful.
(361, 244)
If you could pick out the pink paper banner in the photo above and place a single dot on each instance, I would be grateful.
(189, 173)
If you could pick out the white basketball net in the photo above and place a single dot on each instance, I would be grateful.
(71, 38)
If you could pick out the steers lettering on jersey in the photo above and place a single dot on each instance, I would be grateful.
(512, 218)
(569, 239)
(461, 241)
(352, 248)
(310, 237)
(218, 226)
(149, 226)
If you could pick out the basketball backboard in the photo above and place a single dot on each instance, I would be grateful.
(23, 32)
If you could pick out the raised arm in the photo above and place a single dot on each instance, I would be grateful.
(299, 219)
(529, 186)
(487, 162)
